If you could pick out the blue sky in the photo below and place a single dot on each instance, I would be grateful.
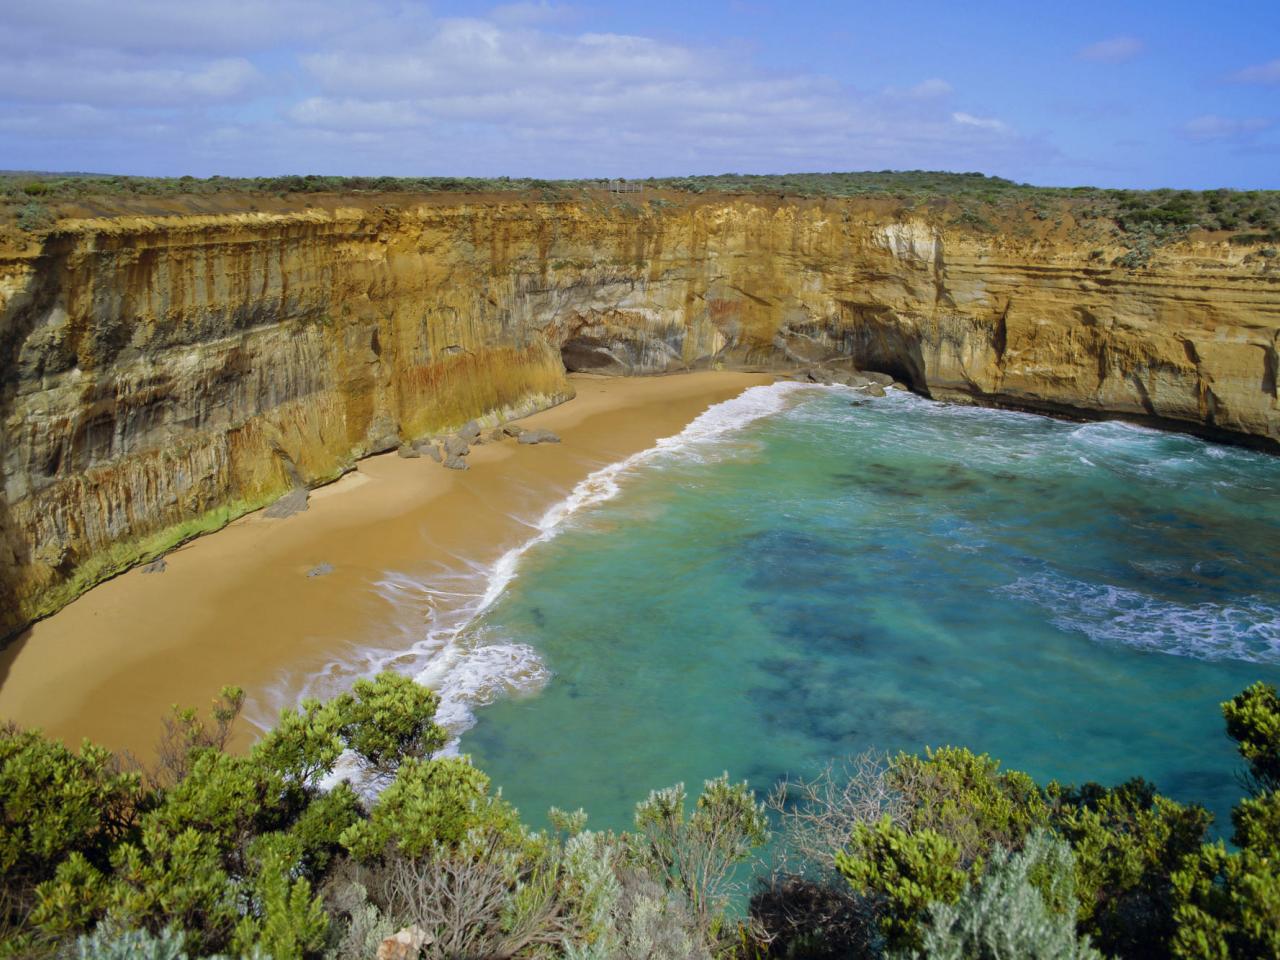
(1140, 94)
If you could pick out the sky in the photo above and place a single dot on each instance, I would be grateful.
(1122, 94)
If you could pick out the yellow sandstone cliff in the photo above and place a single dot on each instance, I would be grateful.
(159, 376)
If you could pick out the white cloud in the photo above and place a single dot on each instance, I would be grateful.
(1212, 127)
(225, 26)
(982, 123)
(643, 99)
(400, 92)
(1268, 72)
(99, 78)
(1113, 50)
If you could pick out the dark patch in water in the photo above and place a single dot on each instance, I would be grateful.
(817, 708)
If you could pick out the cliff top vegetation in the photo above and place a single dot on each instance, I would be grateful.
(972, 199)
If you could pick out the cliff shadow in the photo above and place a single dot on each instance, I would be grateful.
(22, 315)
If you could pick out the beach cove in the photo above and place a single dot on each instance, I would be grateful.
(238, 607)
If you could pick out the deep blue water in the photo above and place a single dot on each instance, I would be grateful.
(1073, 599)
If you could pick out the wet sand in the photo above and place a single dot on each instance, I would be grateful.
(238, 607)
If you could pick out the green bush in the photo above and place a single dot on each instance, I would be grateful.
(941, 855)
(1023, 906)
(34, 217)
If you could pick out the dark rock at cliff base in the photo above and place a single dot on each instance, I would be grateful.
(873, 390)
(538, 436)
(295, 501)
(320, 570)
(455, 463)
(883, 379)
(383, 434)
(899, 386)
(470, 431)
(156, 566)
(456, 447)
(407, 452)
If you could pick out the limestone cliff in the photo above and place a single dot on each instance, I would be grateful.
(160, 376)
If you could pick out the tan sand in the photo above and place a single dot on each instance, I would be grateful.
(237, 606)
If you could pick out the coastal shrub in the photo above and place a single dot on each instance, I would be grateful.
(430, 803)
(1128, 841)
(1228, 902)
(227, 848)
(941, 855)
(61, 810)
(1023, 906)
(1253, 722)
(388, 720)
(697, 854)
(951, 808)
(804, 907)
(35, 216)
(902, 874)
(109, 943)
(967, 798)
(186, 733)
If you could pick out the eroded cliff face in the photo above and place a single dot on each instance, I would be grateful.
(159, 377)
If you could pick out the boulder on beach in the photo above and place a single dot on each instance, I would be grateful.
(873, 390)
(883, 379)
(456, 447)
(538, 436)
(295, 501)
(469, 431)
(454, 462)
(511, 430)
(155, 566)
(408, 452)
(320, 570)
(497, 435)
(428, 448)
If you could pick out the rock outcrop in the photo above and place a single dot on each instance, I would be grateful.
(159, 377)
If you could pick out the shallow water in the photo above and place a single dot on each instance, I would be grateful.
(798, 578)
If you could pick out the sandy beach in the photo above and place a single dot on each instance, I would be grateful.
(238, 607)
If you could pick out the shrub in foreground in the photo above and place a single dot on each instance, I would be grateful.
(945, 855)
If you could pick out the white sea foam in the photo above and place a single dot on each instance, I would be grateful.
(438, 642)
(1248, 629)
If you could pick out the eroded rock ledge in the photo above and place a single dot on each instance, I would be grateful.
(160, 377)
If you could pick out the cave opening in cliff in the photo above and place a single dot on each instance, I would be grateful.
(905, 365)
(586, 354)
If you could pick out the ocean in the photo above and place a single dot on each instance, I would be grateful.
(804, 573)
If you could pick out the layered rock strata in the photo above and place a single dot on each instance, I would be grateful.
(159, 377)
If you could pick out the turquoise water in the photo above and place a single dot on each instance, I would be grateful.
(759, 598)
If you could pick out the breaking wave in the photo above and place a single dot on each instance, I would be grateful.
(1247, 630)
(440, 642)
